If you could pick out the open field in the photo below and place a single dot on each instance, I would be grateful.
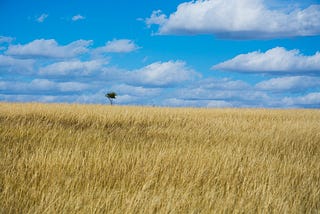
(59, 158)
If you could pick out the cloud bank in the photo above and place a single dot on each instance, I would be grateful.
(45, 71)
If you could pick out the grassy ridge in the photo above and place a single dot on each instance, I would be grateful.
(58, 158)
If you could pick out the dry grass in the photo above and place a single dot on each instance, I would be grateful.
(95, 159)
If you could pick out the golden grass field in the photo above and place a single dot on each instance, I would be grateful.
(63, 158)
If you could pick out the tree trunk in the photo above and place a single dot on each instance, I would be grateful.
(110, 101)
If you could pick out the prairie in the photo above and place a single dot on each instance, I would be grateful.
(71, 158)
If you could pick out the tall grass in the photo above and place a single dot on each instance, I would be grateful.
(59, 158)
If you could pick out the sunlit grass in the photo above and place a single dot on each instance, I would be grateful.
(58, 158)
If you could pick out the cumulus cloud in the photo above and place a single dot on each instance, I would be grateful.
(73, 67)
(5, 39)
(162, 74)
(223, 84)
(127, 99)
(241, 19)
(11, 65)
(226, 95)
(118, 46)
(42, 17)
(223, 92)
(309, 100)
(73, 86)
(277, 60)
(41, 86)
(292, 84)
(176, 102)
(156, 18)
(38, 98)
(78, 17)
(215, 89)
(219, 104)
(137, 91)
(43, 48)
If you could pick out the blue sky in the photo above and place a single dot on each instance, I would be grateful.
(213, 53)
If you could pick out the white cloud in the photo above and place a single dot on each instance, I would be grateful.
(137, 91)
(222, 93)
(42, 86)
(38, 98)
(73, 86)
(37, 85)
(218, 89)
(157, 17)
(118, 46)
(49, 49)
(113, 73)
(176, 102)
(223, 84)
(161, 74)
(127, 99)
(309, 100)
(292, 84)
(73, 67)
(242, 19)
(77, 17)
(12, 65)
(41, 18)
(5, 39)
(201, 93)
(219, 104)
(274, 60)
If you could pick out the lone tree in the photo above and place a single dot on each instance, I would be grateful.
(111, 96)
